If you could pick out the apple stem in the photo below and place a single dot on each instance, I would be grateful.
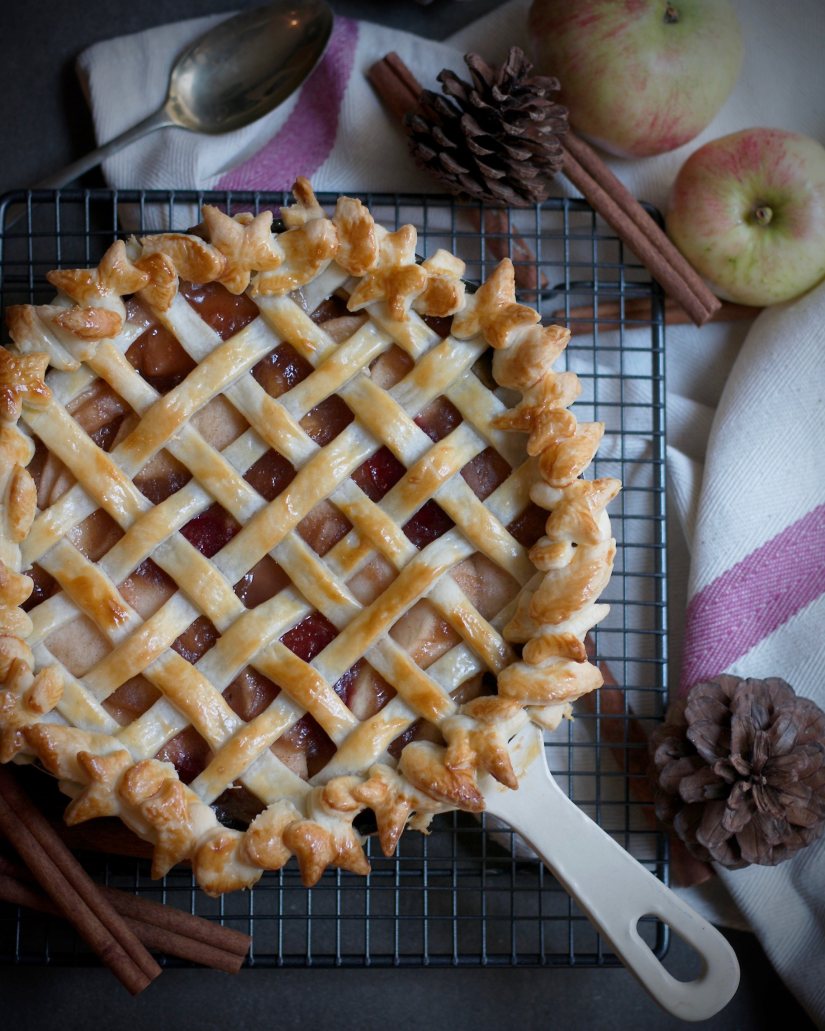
(763, 215)
(671, 15)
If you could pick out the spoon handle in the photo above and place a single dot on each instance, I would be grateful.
(157, 120)
(615, 891)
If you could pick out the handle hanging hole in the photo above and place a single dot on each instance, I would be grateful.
(680, 959)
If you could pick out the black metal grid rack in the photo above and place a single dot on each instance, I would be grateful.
(468, 894)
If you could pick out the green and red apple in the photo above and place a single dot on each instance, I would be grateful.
(639, 77)
(748, 212)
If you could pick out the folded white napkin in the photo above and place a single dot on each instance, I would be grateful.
(746, 422)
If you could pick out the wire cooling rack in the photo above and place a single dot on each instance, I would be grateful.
(467, 895)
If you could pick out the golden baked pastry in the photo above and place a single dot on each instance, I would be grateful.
(293, 525)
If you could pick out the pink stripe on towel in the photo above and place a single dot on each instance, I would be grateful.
(753, 598)
(305, 140)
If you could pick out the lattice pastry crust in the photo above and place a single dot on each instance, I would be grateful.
(423, 738)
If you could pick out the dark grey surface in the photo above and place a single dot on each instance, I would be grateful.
(316, 1000)
(46, 124)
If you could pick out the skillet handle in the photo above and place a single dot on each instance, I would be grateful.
(614, 891)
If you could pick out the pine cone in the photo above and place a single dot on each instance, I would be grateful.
(738, 770)
(496, 139)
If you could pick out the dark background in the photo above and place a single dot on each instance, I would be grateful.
(45, 125)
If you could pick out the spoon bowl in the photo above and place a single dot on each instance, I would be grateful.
(235, 73)
(244, 68)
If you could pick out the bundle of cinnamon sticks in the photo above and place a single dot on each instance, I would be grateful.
(119, 927)
(617, 314)
(399, 89)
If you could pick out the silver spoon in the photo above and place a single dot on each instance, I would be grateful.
(232, 75)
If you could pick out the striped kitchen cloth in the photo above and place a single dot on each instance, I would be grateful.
(757, 587)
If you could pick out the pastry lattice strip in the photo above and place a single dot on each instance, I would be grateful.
(254, 732)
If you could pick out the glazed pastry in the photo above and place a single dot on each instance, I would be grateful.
(293, 526)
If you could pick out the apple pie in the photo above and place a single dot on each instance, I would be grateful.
(293, 526)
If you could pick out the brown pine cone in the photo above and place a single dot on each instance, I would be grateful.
(738, 770)
(495, 139)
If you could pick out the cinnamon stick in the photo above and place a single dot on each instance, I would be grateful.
(627, 738)
(163, 928)
(167, 919)
(173, 944)
(649, 243)
(71, 889)
(686, 870)
(396, 85)
(108, 836)
(18, 893)
(587, 158)
(497, 232)
(622, 732)
(613, 314)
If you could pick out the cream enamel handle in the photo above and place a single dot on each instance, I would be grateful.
(614, 891)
